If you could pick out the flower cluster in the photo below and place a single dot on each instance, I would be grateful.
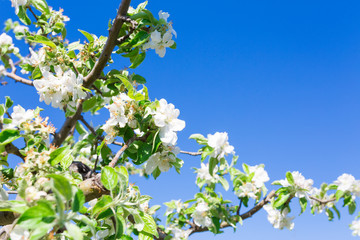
(165, 117)
(255, 181)
(17, 3)
(219, 142)
(176, 205)
(19, 116)
(35, 167)
(200, 215)
(6, 43)
(355, 227)
(301, 185)
(179, 234)
(64, 88)
(347, 183)
(160, 40)
(122, 112)
(204, 175)
(279, 219)
(162, 160)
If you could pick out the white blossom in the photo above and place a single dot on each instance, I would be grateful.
(179, 234)
(160, 42)
(165, 117)
(19, 116)
(347, 183)
(219, 142)
(17, 3)
(20, 29)
(2, 70)
(247, 190)
(163, 15)
(5, 40)
(260, 176)
(302, 185)
(64, 88)
(32, 194)
(3, 194)
(36, 58)
(121, 113)
(279, 219)
(19, 233)
(355, 227)
(203, 173)
(162, 160)
(200, 215)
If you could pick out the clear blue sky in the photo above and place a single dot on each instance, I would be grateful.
(281, 77)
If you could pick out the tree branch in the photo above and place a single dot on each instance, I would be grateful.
(12, 149)
(109, 45)
(12, 74)
(243, 216)
(323, 201)
(191, 153)
(96, 71)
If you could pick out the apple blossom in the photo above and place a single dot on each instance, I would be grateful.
(160, 42)
(355, 227)
(6, 40)
(302, 185)
(161, 160)
(200, 215)
(203, 174)
(219, 142)
(19, 233)
(279, 219)
(247, 190)
(347, 183)
(2, 70)
(260, 175)
(179, 234)
(165, 117)
(19, 116)
(17, 3)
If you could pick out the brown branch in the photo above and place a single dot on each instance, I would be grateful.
(323, 201)
(243, 216)
(124, 147)
(109, 45)
(13, 75)
(191, 153)
(67, 126)
(19, 79)
(96, 71)
(12, 149)
(32, 12)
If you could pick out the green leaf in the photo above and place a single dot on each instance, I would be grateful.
(290, 178)
(352, 207)
(282, 198)
(36, 74)
(62, 185)
(103, 204)
(63, 156)
(224, 183)
(149, 225)
(13, 206)
(43, 40)
(139, 79)
(87, 35)
(109, 178)
(200, 139)
(8, 102)
(144, 236)
(74, 231)
(212, 164)
(41, 5)
(23, 16)
(89, 104)
(78, 201)
(138, 60)
(41, 230)
(339, 194)
(8, 136)
(303, 203)
(42, 210)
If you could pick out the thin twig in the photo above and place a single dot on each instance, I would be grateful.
(109, 45)
(323, 201)
(96, 71)
(12, 192)
(118, 154)
(12, 149)
(13, 75)
(239, 207)
(35, 16)
(191, 153)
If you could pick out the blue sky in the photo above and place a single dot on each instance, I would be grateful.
(281, 77)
